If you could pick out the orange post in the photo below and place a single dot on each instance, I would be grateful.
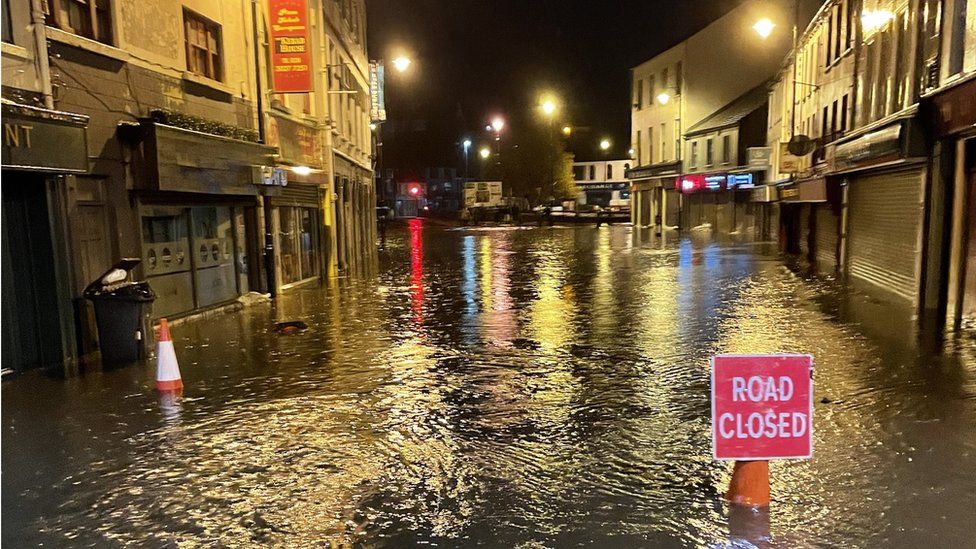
(750, 484)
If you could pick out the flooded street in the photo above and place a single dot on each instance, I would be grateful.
(541, 387)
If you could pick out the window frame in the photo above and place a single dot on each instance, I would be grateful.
(215, 60)
(58, 16)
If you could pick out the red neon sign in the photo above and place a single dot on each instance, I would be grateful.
(291, 46)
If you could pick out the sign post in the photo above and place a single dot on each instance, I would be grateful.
(762, 409)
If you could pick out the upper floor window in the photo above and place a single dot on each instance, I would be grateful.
(88, 18)
(609, 171)
(8, 27)
(694, 154)
(578, 173)
(726, 149)
(592, 173)
(203, 55)
(639, 94)
(709, 152)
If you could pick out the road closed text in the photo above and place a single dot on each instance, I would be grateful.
(762, 406)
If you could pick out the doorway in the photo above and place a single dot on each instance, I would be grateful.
(31, 325)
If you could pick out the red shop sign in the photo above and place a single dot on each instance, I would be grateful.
(291, 47)
(762, 407)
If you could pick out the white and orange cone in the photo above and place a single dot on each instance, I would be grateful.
(168, 377)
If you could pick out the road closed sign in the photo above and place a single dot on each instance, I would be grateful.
(762, 407)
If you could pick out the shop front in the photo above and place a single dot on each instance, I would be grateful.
(951, 113)
(355, 214)
(41, 150)
(198, 197)
(885, 174)
(811, 221)
(654, 200)
(719, 201)
(302, 243)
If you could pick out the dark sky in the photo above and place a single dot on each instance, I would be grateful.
(473, 58)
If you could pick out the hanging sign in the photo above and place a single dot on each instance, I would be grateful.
(377, 110)
(291, 46)
(762, 407)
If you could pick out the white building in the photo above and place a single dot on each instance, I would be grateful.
(603, 183)
(684, 85)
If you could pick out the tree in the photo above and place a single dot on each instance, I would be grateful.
(534, 163)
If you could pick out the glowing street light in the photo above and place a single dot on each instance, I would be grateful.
(497, 124)
(604, 144)
(301, 170)
(549, 107)
(466, 144)
(485, 152)
(764, 27)
(567, 130)
(663, 98)
(401, 64)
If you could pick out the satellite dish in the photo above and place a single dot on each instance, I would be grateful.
(801, 145)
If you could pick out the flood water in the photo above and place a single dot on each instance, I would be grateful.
(542, 387)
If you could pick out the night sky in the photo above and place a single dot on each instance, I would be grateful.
(473, 58)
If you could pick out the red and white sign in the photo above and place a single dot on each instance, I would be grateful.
(291, 46)
(762, 407)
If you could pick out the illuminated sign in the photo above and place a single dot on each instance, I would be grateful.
(714, 182)
(740, 181)
(291, 47)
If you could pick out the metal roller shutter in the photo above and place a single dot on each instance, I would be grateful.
(297, 194)
(804, 213)
(826, 238)
(885, 218)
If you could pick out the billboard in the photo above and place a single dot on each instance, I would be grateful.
(291, 46)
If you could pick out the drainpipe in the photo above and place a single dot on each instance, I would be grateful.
(40, 52)
(269, 256)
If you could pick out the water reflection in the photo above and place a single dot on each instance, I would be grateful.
(517, 388)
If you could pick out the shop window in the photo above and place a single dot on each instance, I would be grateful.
(88, 18)
(296, 238)
(203, 49)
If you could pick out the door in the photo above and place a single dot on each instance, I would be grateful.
(31, 325)
(884, 225)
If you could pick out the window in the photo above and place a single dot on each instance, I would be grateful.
(639, 94)
(202, 46)
(677, 78)
(694, 154)
(664, 142)
(578, 173)
(709, 152)
(592, 173)
(650, 145)
(726, 149)
(609, 172)
(831, 29)
(833, 119)
(823, 124)
(88, 18)
(843, 114)
(638, 146)
(956, 24)
(8, 27)
(677, 139)
(664, 79)
(651, 89)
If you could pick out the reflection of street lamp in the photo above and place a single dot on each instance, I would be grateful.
(401, 64)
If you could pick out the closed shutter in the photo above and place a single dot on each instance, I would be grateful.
(885, 217)
(826, 238)
(804, 213)
(708, 209)
(297, 194)
(672, 215)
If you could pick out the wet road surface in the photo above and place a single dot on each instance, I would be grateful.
(544, 387)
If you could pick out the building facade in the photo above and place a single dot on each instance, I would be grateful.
(192, 162)
(602, 184)
(681, 87)
(880, 93)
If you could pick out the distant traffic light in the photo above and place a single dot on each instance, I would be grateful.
(414, 189)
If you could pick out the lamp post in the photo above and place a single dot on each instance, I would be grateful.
(764, 28)
(466, 144)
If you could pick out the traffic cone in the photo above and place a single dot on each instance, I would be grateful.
(750, 484)
(167, 368)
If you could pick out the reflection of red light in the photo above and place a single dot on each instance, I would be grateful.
(417, 268)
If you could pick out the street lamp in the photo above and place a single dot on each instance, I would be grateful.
(401, 64)
(764, 27)
(605, 145)
(548, 107)
(466, 144)
(567, 130)
(485, 152)
(663, 98)
(497, 124)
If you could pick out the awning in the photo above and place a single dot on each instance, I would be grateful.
(179, 160)
(666, 170)
(805, 190)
